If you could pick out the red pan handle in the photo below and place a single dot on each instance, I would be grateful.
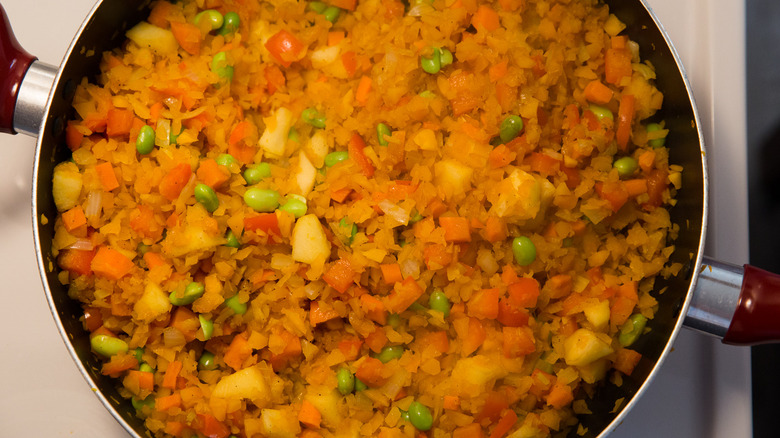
(757, 317)
(14, 62)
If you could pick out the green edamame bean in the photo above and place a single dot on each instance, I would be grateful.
(220, 66)
(601, 112)
(404, 415)
(235, 305)
(416, 216)
(212, 17)
(524, 250)
(257, 173)
(428, 94)
(142, 248)
(145, 367)
(382, 130)
(390, 352)
(207, 197)
(192, 292)
(439, 302)
(293, 135)
(632, 329)
(345, 381)
(394, 320)
(313, 117)
(295, 207)
(226, 160)
(331, 13)
(334, 158)
(510, 128)
(231, 240)
(139, 404)
(262, 200)
(348, 231)
(625, 166)
(656, 142)
(231, 23)
(108, 346)
(138, 353)
(432, 64)
(173, 138)
(445, 58)
(144, 143)
(360, 386)
(567, 242)
(420, 416)
(207, 362)
(207, 326)
(318, 7)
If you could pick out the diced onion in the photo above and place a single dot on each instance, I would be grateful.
(81, 244)
(410, 267)
(173, 337)
(399, 214)
(94, 202)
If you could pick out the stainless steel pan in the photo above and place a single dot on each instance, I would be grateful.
(734, 303)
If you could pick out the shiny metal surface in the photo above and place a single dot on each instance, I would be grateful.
(715, 298)
(32, 97)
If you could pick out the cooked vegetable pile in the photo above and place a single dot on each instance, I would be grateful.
(341, 218)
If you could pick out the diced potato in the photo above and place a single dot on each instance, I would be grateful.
(152, 303)
(309, 242)
(317, 147)
(475, 375)
(159, 40)
(453, 176)
(594, 371)
(518, 196)
(326, 400)
(181, 241)
(584, 347)
(277, 127)
(305, 174)
(66, 185)
(248, 383)
(324, 56)
(598, 315)
(280, 423)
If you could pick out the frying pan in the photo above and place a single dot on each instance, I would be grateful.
(688, 297)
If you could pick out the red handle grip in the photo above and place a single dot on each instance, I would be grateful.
(14, 62)
(757, 318)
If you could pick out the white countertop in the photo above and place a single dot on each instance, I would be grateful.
(703, 389)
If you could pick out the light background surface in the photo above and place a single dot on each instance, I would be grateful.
(703, 389)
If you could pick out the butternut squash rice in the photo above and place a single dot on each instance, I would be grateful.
(290, 218)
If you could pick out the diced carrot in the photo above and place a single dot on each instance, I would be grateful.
(598, 93)
(242, 152)
(274, 78)
(285, 47)
(438, 340)
(635, 187)
(374, 308)
(237, 352)
(174, 428)
(292, 349)
(657, 182)
(73, 137)
(473, 430)
(543, 163)
(172, 374)
(620, 310)
(159, 14)
(626, 360)
(318, 315)
(435, 207)
(344, 4)
(376, 340)
(212, 174)
(371, 372)
(483, 304)
(456, 228)
(268, 223)
(451, 402)
(617, 65)
(143, 379)
(213, 428)
(508, 419)
(153, 260)
(618, 42)
(501, 156)
(119, 307)
(363, 90)
(518, 341)
(646, 161)
(559, 285)
(510, 315)
(505, 94)
(308, 433)
(309, 415)
(625, 120)
(155, 110)
(117, 364)
(473, 337)
(391, 273)
(403, 295)
(74, 218)
(437, 256)
(349, 61)
(107, 176)
(560, 396)
(571, 116)
(119, 122)
(495, 229)
(335, 37)
(613, 191)
(76, 261)
(524, 292)
(164, 403)
(356, 147)
(340, 275)
(93, 319)
(188, 36)
(497, 71)
(111, 264)
(495, 403)
(350, 348)
(186, 322)
(486, 18)
(174, 181)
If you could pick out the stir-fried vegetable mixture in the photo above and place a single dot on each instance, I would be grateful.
(367, 218)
